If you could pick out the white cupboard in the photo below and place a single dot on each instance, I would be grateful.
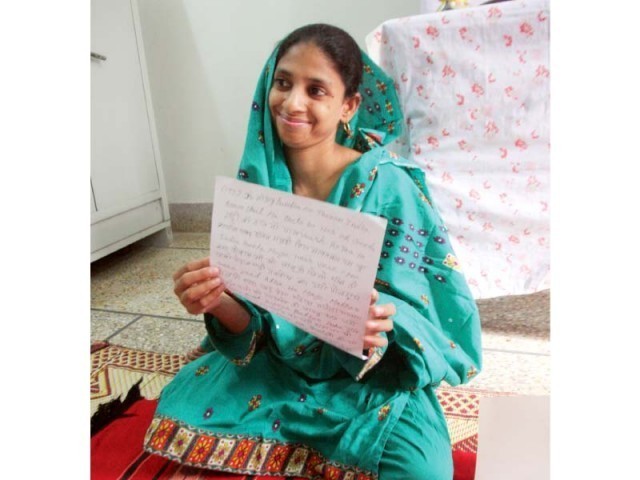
(128, 196)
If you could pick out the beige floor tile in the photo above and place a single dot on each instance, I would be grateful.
(515, 343)
(191, 240)
(516, 373)
(105, 324)
(139, 280)
(524, 315)
(161, 335)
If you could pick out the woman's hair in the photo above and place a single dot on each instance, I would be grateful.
(338, 45)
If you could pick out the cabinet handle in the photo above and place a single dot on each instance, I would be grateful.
(97, 56)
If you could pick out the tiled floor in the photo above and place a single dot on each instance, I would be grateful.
(133, 305)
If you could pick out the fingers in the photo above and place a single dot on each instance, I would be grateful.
(374, 341)
(379, 321)
(212, 298)
(373, 330)
(199, 291)
(376, 326)
(382, 311)
(198, 286)
(374, 297)
(203, 302)
(189, 279)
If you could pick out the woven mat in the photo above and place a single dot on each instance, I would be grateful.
(115, 370)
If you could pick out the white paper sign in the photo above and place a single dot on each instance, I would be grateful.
(310, 262)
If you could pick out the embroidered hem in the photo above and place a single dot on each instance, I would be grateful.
(243, 454)
(243, 362)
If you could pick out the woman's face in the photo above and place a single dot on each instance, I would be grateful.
(307, 98)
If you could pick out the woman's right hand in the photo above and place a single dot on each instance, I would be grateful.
(198, 286)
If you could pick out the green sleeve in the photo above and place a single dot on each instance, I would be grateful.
(424, 353)
(239, 348)
(436, 334)
(357, 367)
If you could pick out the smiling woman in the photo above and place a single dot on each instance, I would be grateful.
(323, 413)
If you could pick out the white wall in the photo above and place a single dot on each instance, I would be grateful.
(204, 58)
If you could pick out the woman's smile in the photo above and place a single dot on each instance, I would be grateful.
(293, 122)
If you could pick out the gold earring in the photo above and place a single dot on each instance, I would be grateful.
(347, 129)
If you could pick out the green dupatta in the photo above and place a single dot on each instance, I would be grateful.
(423, 277)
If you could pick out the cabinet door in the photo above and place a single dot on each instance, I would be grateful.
(123, 167)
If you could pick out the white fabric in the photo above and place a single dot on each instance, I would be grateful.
(429, 6)
(474, 86)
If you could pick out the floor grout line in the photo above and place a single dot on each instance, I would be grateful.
(147, 315)
(123, 328)
(140, 315)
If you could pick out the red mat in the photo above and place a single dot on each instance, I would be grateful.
(116, 454)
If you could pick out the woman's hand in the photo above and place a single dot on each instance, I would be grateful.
(198, 286)
(379, 321)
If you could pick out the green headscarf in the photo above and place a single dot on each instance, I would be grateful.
(378, 121)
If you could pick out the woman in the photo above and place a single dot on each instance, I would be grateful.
(268, 398)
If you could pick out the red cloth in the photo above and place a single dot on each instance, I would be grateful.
(464, 465)
(116, 453)
(117, 446)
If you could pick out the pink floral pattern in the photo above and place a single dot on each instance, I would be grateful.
(476, 100)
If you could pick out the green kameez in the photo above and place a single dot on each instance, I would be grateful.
(274, 400)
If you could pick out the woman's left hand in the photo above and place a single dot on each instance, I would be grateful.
(379, 321)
